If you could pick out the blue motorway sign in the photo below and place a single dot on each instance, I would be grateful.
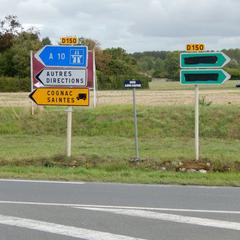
(132, 84)
(63, 56)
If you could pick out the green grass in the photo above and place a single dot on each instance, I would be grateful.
(111, 148)
(121, 175)
(117, 121)
(103, 144)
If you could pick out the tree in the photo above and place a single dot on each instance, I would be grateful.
(9, 29)
(172, 66)
(118, 67)
(15, 46)
(22, 45)
(46, 41)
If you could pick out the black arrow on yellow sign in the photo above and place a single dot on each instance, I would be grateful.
(61, 96)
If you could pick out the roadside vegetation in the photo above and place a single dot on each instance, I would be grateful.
(113, 65)
(103, 145)
(33, 146)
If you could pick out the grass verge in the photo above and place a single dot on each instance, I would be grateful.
(124, 176)
(103, 145)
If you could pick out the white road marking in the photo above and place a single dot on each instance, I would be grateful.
(39, 181)
(172, 218)
(121, 207)
(61, 229)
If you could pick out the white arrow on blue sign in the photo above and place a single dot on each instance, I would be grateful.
(63, 56)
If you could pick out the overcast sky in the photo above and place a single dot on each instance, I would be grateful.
(135, 25)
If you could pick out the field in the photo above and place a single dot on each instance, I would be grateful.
(160, 93)
(33, 146)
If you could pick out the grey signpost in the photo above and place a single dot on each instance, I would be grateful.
(202, 68)
(67, 66)
(134, 84)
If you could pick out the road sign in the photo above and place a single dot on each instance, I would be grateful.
(132, 84)
(61, 96)
(193, 47)
(37, 67)
(63, 56)
(69, 40)
(203, 76)
(62, 77)
(203, 60)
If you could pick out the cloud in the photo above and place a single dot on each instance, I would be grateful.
(188, 18)
(135, 25)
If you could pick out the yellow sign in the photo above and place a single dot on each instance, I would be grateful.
(61, 96)
(69, 40)
(195, 47)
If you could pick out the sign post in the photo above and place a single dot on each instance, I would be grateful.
(69, 131)
(63, 72)
(31, 65)
(200, 68)
(134, 84)
(94, 81)
(135, 125)
(197, 121)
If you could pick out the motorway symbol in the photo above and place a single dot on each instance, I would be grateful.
(63, 56)
(62, 77)
(203, 76)
(61, 96)
(203, 60)
(132, 84)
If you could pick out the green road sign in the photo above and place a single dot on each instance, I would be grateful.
(203, 60)
(203, 76)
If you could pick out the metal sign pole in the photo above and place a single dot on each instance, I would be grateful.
(94, 81)
(31, 64)
(64, 57)
(69, 131)
(197, 122)
(135, 125)
(201, 68)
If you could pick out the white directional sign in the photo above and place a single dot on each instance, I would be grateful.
(62, 77)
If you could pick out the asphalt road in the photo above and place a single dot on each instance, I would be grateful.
(97, 211)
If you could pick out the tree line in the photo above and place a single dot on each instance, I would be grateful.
(165, 64)
(114, 65)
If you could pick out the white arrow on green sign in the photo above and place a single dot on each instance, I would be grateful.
(203, 76)
(203, 60)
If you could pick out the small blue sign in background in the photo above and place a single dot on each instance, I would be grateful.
(63, 56)
(132, 84)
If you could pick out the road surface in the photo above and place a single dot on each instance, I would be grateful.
(102, 211)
